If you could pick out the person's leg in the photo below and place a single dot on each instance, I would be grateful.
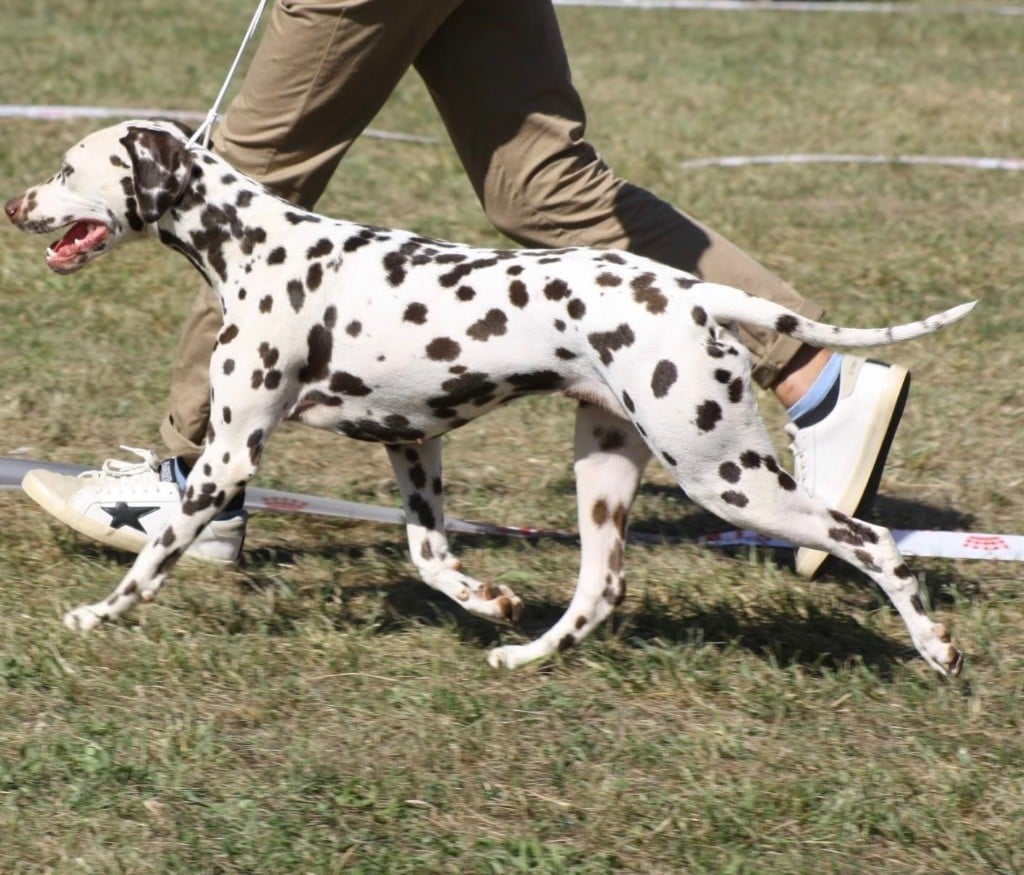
(498, 72)
(320, 74)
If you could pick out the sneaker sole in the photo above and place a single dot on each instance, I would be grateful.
(45, 488)
(861, 494)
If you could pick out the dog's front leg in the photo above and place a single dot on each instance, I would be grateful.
(418, 473)
(221, 471)
(610, 458)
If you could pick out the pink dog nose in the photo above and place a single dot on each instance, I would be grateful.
(12, 207)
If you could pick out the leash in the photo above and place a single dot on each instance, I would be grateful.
(202, 134)
(911, 542)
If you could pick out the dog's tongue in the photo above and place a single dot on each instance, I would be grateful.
(82, 235)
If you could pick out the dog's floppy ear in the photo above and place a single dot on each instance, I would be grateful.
(161, 170)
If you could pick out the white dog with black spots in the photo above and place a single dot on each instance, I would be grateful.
(387, 336)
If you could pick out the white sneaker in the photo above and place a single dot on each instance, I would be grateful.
(125, 503)
(839, 459)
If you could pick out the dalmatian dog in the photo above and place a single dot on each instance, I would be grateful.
(387, 336)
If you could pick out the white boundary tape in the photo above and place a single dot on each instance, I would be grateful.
(979, 163)
(797, 6)
(937, 544)
(60, 112)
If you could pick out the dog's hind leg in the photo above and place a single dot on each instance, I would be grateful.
(727, 465)
(609, 460)
(418, 473)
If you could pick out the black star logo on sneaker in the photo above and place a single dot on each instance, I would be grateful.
(123, 514)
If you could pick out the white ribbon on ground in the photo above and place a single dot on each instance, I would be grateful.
(911, 542)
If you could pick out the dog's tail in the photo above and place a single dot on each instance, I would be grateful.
(727, 304)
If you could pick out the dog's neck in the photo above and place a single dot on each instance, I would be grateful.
(218, 224)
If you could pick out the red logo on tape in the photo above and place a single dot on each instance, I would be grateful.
(986, 543)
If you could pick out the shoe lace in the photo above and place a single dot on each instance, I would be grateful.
(121, 469)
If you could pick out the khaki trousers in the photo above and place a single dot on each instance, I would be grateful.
(498, 73)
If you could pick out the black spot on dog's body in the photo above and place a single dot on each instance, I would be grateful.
(320, 345)
(443, 349)
(736, 499)
(555, 290)
(415, 313)
(708, 415)
(277, 255)
(323, 247)
(296, 294)
(473, 387)
(576, 308)
(517, 293)
(729, 471)
(648, 294)
(297, 218)
(463, 269)
(314, 276)
(494, 324)
(348, 384)
(663, 378)
(606, 343)
(394, 268)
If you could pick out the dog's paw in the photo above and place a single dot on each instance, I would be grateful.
(940, 654)
(496, 603)
(83, 619)
(515, 655)
(499, 657)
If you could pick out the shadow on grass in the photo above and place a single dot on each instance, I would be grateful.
(812, 639)
(804, 636)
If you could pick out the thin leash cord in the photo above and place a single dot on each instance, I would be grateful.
(202, 134)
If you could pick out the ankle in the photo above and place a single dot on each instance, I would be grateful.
(180, 469)
(797, 377)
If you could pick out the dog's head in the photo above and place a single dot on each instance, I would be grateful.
(111, 187)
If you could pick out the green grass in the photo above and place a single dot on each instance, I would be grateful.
(318, 710)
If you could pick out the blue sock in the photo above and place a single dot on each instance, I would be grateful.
(234, 507)
(819, 400)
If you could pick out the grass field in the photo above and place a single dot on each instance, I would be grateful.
(318, 710)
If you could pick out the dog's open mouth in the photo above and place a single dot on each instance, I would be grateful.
(71, 251)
